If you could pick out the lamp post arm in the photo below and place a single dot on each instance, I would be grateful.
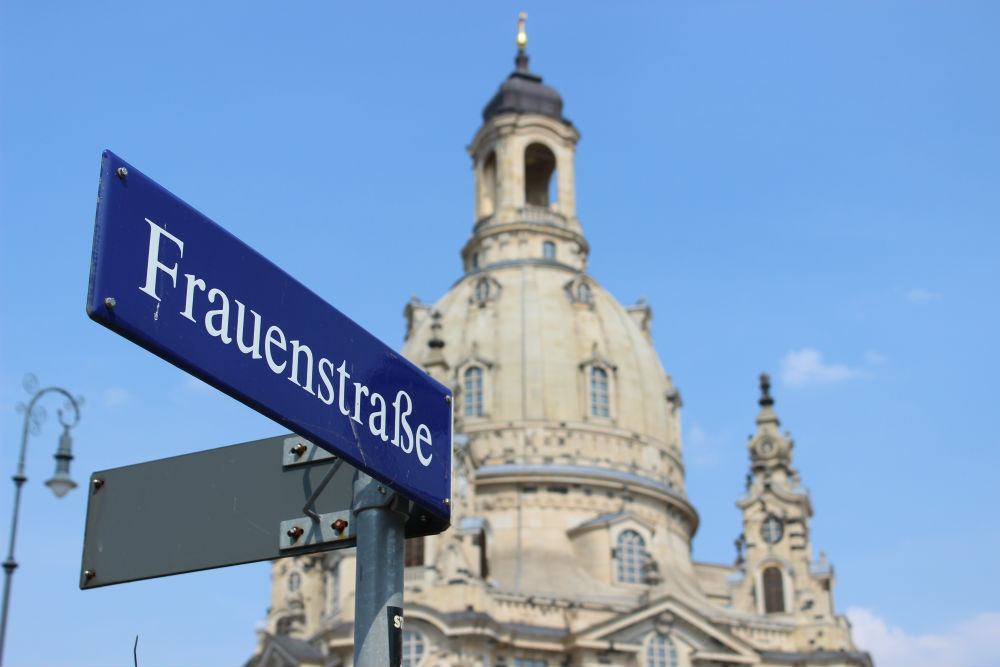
(19, 478)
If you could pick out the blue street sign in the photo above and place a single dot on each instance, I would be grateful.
(169, 279)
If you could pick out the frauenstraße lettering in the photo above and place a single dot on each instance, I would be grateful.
(281, 353)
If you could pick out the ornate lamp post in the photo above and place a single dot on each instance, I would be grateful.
(60, 483)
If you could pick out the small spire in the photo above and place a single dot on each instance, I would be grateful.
(765, 388)
(766, 414)
(522, 41)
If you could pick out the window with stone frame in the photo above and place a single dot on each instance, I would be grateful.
(774, 590)
(548, 250)
(661, 652)
(414, 647)
(472, 392)
(630, 553)
(483, 290)
(600, 405)
(333, 590)
(413, 551)
(484, 561)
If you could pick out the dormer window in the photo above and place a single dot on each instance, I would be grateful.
(482, 290)
(629, 555)
(580, 292)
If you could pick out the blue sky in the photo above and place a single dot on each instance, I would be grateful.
(804, 188)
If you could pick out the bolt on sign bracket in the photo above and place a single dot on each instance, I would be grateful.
(307, 532)
(299, 451)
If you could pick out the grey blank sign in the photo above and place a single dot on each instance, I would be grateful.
(210, 509)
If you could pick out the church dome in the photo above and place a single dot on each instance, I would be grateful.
(561, 402)
(570, 536)
(537, 345)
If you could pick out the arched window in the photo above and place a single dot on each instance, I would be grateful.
(774, 591)
(661, 652)
(484, 561)
(583, 292)
(413, 551)
(482, 290)
(599, 406)
(333, 590)
(629, 556)
(294, 582)
(488, 186)
(414, 648)
(284, 625)
(549, 250)
(473, 392)
(539, 165)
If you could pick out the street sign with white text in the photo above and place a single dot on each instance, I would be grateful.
(169, 279)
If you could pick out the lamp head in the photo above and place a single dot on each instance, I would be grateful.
(61, 483)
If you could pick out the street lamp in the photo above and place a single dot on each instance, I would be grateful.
(61, 484)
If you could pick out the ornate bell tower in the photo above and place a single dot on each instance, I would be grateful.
(778, 576)
(523, 157)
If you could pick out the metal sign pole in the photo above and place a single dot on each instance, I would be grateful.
(378, 606)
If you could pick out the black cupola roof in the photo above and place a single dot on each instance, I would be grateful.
(523, 91)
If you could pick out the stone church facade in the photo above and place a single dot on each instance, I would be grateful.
(571, 535)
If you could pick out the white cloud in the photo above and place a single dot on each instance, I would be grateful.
(115, 396)
(874, 358)
(974, 641)
(918, 295)
(803, 367)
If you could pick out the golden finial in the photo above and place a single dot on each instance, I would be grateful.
(522, 37)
